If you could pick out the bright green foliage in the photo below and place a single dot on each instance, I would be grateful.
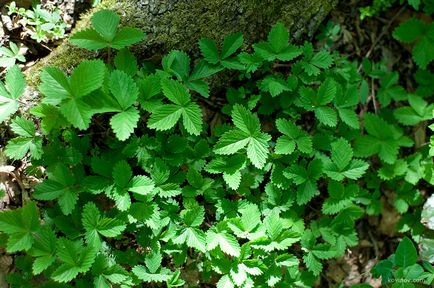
(8, 56)
(305, 177)
(10, 92)
(292, 136)
(247, 133)
(75, 259)
(341, 164)
(68, 93)
(105, 33)
(166, 116)
(403, 265)
(383, 139)
(231, 44)
(19, 225)
(95, 225)
(41, 24)
(417, 112)
(26, 142)
(146, 183)
(422, 34)
(277, 46)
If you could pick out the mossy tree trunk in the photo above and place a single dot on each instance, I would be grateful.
(178, 24)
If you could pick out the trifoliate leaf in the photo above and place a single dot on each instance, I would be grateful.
(75, 258)
(19, 225)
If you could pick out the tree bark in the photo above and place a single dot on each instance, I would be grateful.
(179, 24)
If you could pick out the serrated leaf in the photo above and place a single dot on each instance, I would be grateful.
(106, 23)
(227, 243)
(19, 225)
(123, 88)
(278, 37)
(141, 185)
(175, 92)
(209, 50)
(124, 123)
(231, 44)
(88, 39)
(231, 142)
(192, 118)
(77, 112)
(127, 36)
(165, 117)
(406, 254)
(87, 77)
(245, 120)
(326, 115)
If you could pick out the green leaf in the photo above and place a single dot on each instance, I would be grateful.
(15, 82)
(293, 136)
(278, 37)
(192, 118)
(409, 30)
(88, 39)
(406, 254)
(257, 149)
(126, 37)
(231, 142)
(153, 261)
(55, 85)
(231, 44)
(327, 116)
(23, 127)
(76, 259)
(274, 85)
(165, 117)
(141, 185)
(44, 249)
(124, 123)
(175, 92)
(105, 23)
(126, 62)
(341, 153)
(87, 77)
(193, 217)
(19, 225)
(209, 50)
(11, 92)
(227, 243)
(312, 263)
(245, 120)
(142, 273)
(77, 112)
(123, 88)
(122, 173)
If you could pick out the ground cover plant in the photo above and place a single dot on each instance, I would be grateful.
(141, 188)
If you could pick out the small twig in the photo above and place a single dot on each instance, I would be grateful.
(373, 95)
(374, 243)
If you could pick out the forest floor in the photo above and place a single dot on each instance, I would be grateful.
(368, 38)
